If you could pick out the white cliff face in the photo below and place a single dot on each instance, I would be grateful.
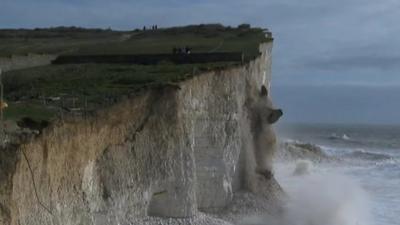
(215, 105)
(169, 153)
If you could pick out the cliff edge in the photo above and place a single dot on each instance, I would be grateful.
(177, 155)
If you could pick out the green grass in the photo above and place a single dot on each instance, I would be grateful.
(96, 83)
(21, 46)
(91, 82)
(52, 40)
(163, 41)
(95, 79)
(201, 38)
(36, 111)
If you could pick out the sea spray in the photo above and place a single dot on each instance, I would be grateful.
(303, 167)
(327, 199)
(320, 199)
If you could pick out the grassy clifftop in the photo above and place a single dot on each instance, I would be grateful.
(201, 38)
(45, 92)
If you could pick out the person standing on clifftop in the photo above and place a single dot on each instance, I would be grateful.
(187, 50)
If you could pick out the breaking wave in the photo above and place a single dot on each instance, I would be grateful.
(365, 155)
(319, 198)
(294, 149)
(340, 137)
(327, 199)
(366, 160)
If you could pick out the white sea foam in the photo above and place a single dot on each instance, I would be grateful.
(319, 198)
(371, 156)
(303, 167)
(327, 199)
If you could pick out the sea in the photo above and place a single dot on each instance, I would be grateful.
(360, 187)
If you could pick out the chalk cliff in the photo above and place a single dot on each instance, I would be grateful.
(177, 155)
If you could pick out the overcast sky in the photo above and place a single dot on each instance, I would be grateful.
(317, 42)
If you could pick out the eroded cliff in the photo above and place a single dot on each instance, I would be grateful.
(178, 152)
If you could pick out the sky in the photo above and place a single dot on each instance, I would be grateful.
(318, 43)
(338, 104)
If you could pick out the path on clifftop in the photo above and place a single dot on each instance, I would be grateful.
(218, 47)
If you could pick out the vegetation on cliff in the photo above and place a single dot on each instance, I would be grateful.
(47, 91)
(62, 40)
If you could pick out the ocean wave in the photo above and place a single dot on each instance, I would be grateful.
(365, 155)
(294, 149)
(335, 136)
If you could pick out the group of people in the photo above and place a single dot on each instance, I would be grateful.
(186, 50)
(153, 27)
